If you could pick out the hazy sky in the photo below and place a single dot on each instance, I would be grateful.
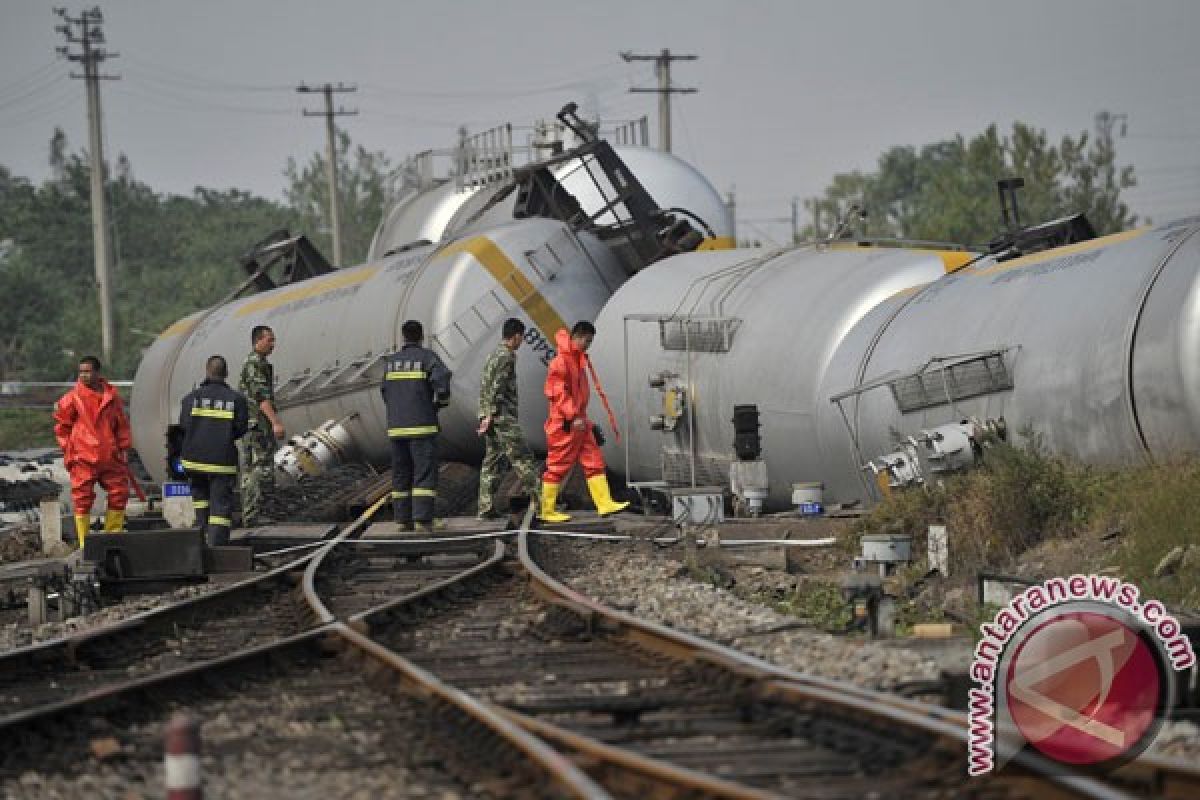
(790, 91)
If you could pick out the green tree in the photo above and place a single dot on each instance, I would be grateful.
(174, 254)
(363, 191)
(946, 191)
(29, 342)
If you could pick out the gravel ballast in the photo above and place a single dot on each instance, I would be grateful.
(653, 583)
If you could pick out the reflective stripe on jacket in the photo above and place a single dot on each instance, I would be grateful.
(415, 383)
(213, 417)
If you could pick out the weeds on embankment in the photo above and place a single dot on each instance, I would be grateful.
(1028, 511)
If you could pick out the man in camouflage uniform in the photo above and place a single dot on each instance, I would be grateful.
(498, 424)
(257, 447)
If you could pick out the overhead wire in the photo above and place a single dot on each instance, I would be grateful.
(23, 82)
(1184, 136)
(63, 97)
(195, 105)
(587, 76)
(1170, 168)
(31, 93)
(201, 82)
(687, 134)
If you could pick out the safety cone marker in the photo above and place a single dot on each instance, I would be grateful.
(181, 740)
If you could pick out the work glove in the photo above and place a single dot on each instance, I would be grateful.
(598, 434)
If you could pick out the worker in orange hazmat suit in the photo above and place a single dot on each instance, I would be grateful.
(570, 435)
(93, 432)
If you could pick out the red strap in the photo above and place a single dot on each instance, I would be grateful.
(133, 481)
(612, 420)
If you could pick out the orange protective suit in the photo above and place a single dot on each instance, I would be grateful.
(567, 392)
(93, 432)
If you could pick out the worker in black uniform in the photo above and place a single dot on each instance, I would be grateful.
(213, 418)
(416, 385)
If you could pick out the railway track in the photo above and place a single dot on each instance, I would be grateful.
(260, 609)
(646, 708)
(324, 713)
(353, 576)
(485, 676)
(320, 713)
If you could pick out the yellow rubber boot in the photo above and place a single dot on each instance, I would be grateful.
(82, 523)
(549, 496)
(114, 521)
(605, 505)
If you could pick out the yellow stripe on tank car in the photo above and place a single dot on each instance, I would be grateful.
(954, 259)
(718, 243)
(951, 259)
(180, 327)
(1065, 250)
(506, 273)
(310, 288)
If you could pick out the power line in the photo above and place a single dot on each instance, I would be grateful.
(171, 100)
(662, 68)
(475, 94)
(197, 82)
(33, 92)
(335, 213)
(24, 81)
(52, 96)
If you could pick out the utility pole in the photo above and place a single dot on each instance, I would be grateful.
(335, 212)
(731, 207)
(662, 68)
(1105, 123)
(795, 220)
(85, 31)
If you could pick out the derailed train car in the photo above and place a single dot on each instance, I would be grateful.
(549, 241)
(864, 367)
(851, 353)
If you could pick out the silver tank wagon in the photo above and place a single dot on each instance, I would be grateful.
(700, 333)
(1095, 346)
(483, 267)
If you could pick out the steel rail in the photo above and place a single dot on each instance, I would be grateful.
(365, 621)
(309, 585)
(947, 727)
(335, 637)
(640, 769)
(565, 774)
(70, 651)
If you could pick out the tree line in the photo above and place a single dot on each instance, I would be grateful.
(173, 253)
(946, 191)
